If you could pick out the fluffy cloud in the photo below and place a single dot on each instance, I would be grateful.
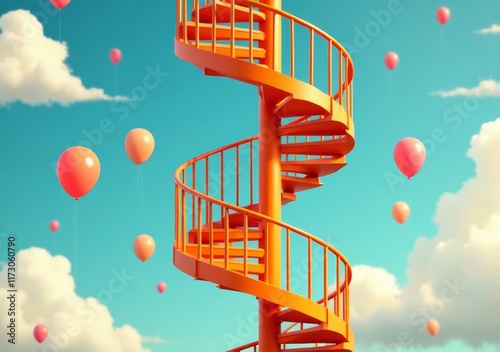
(154, 339)
(33, 68)
(494, 29)
(453, 277)
(46, 294)
(486, 88)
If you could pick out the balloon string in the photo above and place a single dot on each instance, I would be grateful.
(442, 42)
(116, 80)
(75, 217)
(389, 84)
(409, 203)
(143, 293)
(60, 25)
(142, 195)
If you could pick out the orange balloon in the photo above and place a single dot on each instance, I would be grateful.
(139, 145)
(144, 247)
(78, 170)
(432, 327)
(400, 212)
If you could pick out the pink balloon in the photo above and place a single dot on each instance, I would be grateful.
(40, 332)
(409, 155)
(161, 287)
(54, 225)
(391, 60)
(443, 15)
(60, 4)
(115, 55)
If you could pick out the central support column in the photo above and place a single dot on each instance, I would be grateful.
(270, 183)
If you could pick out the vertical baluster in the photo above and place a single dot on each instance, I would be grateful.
(231, 20)
(237, 175)
(288, 274)
(214, 26)
(311, 57)
(250, 28)
(197, 22)
(183, 192)
(245, 244)
(340, 78)
(330, 70)
(193, 180)
(346, 80)
(226, 238)
(176, 220)
(211, 231)
(178, 19)
(292, 48)
(251, 172)
(337, 287)
(221, 180)
(309, 268)
(206, 181)
(266, 250)
(325, 276)
(346, 295)
(184, 22)
(351, 95)
(199, 226)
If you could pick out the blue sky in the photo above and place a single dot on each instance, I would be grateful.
(189, 114)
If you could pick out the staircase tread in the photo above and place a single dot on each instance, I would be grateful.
(242, 13)
(223, 31)
(295, 316)
(220, 251)
(239, 51)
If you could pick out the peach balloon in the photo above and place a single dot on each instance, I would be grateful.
(144, 247)
(400, 212)
(78, 170)
(432, 327)
(139, 145)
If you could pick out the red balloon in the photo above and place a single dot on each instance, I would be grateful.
(78, 170)
(391, 60)
(409, 155)
(60, 4)
(432, 327)
(54, 225)
(443, 15)
(40, 332)
(161, 287)
(115, 56)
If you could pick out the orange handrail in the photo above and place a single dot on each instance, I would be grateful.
(345, 67)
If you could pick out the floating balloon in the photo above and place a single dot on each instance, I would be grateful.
(161, 287)
(139, 145)
(40, 332)
(60, 4)
(400, 212)
(144, 247)
(432, 327)
(115, 55)
(54, 225)
(391, 60)
(78, 170)
(409, 155)
(443, 15)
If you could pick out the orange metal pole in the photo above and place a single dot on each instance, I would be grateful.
(270, 183)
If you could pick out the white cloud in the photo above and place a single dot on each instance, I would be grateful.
(153, 339)
(494, 29)
(452, 277)
(46, 294)
(486, 88)
(33, 68)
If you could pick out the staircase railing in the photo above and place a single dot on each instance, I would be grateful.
(197, 206)
(339, 67)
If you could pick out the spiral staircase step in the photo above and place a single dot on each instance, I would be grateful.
(320, 127)
(222, 32)
(235, 235)
(240, 52)
(220, 251)
(339, 347)
(333, 147)
(312, 335)
(294, 184)
(314, 167)
(223, 13)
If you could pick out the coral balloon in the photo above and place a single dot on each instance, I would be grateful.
(400, 212)
(161, 287)
(391, 60)
(409, 155)
(78, 170)
(60, 4)
(54, 225)
(432, 327)
(144, 247)
(40, 332)
(115, 55)
(443, 15)
(139, 145)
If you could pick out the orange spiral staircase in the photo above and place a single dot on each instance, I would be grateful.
(228, 201)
